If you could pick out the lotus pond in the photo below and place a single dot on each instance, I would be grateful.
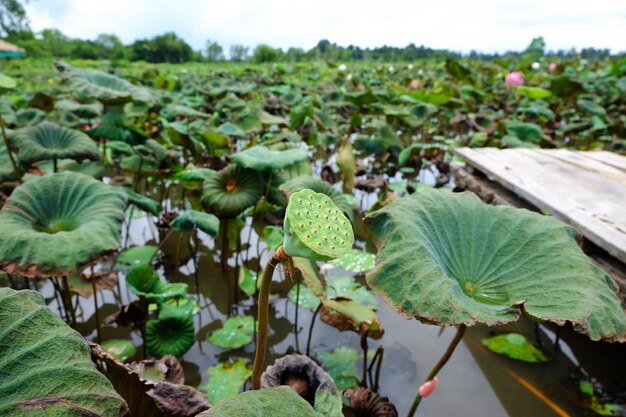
(215, 232)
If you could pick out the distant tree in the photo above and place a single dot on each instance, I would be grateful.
(56, 43)
(110, 47)
(536, 49)
(294, 55)
(265, 53)
(162, 48)
(12, 17)
(238, 53)
(214, 51)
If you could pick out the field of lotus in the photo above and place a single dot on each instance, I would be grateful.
(184, 240)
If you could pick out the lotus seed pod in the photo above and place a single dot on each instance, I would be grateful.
(315, 228)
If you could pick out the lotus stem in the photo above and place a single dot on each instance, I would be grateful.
(11, 281)
(442, 361)
(295, 326)
(264, 294)
(18, 175)
(363, 332)
(95, 305)
(308, 340)
(68, 297)
(54, 164)
(161, 243)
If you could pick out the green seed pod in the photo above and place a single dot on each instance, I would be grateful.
(315, 228)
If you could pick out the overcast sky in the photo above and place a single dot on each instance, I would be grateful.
(461, 25)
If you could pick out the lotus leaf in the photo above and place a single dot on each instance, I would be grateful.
(271, 402)
(356, 261)
(515, 346)
(235, 333)
(315, 228)
(6, 83)
(273, 236)
(29, 117)
(450, 259)
(83, 286)
(247, 281)
(341, 366)
(51, 141)
(144, 282)
(533, 92)
(46, 366)
(319, 186)
(261, 158)
(136, 255)
(191, 219)
(173, 333)
(143, 202)
(230, 193)
(53, 224)
(6, 169)
(192, 179)
(226, 380)
(345, 314)
(119, 349)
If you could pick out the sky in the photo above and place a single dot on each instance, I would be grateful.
(459, 25)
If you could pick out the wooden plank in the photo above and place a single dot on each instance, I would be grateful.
(608, 158)
(590, 198)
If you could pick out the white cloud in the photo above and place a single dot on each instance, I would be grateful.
(486, 25)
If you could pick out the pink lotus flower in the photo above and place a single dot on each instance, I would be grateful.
(513, 79)
(428, 387)
(552, 67)
(414, 84)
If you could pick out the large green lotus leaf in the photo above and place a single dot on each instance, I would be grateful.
(261, 158)
(173, 333)
(143, 202)
(226, 380)
(450, 259)
(46, 366)
(315, 228)
(104, 87)
(319, 186)
(271, 402)
(356, 261)
(144, 282)
(53, 224)
(29, 117)
(140, 165)
(235, 333)
(85, 111)
(48, 141)
(515, 346)
(136, 255)
(232, 191)
(190, 219)
(526, 132)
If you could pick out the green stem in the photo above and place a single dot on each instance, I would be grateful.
(8, 146)
(54, 164)
(442, 361)
(68, 297)
(264, 295)
(95, 305)
(161, 243)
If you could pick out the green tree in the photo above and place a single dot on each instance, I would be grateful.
(110, 47)
(12, 17)
(163, 48)
(214, 51)
(238, 53)
(265, 53)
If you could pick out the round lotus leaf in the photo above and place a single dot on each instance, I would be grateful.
(46, 366)
(119, 349)
(302, 182)
(271, 402)
(515, 346)
(261, 158)
(136, 255)
(191, 219)
(232, 191)
(48, 141)
(144, 282)
(450, 259)
(171, 334)
(6, 83)
(104, 87)
(226, 380)
(235, 333)
(29, 117)
(315, 228)
(341, 365)
(53, 224)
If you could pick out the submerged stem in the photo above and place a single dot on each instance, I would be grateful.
(264, 295)
(442, 361)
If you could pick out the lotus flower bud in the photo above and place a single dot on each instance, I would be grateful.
(428, 387)
(514, 79)
(552, 67)
(536, 66)
(342, 67)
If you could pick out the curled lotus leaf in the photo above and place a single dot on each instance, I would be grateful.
(192, 179)
(191, 219)
(232, 191)
(53, 224)
(261, 158)
(51, 141)
(315, 228)
(450, 259)
(270, 402)
(345, 314)
(143, 202)
(144, 282)
(172, 333)
(319, 186)
(46, 366)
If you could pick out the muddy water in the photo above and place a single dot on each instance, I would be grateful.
(475, 382)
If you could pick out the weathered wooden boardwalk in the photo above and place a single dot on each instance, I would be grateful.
(584, 189)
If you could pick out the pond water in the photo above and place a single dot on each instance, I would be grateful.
(475, 382)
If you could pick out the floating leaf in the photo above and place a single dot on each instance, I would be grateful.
(261, 158)
(53, 224)
(119, 349)
(347, 287)
(46, 366)
(226, 380)
(515, 346)
(355, 261)
(449, 259)
(247, 281)
(341, 364)
(306, 298)
(136, 255)
(235, 333)
(271, 402)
